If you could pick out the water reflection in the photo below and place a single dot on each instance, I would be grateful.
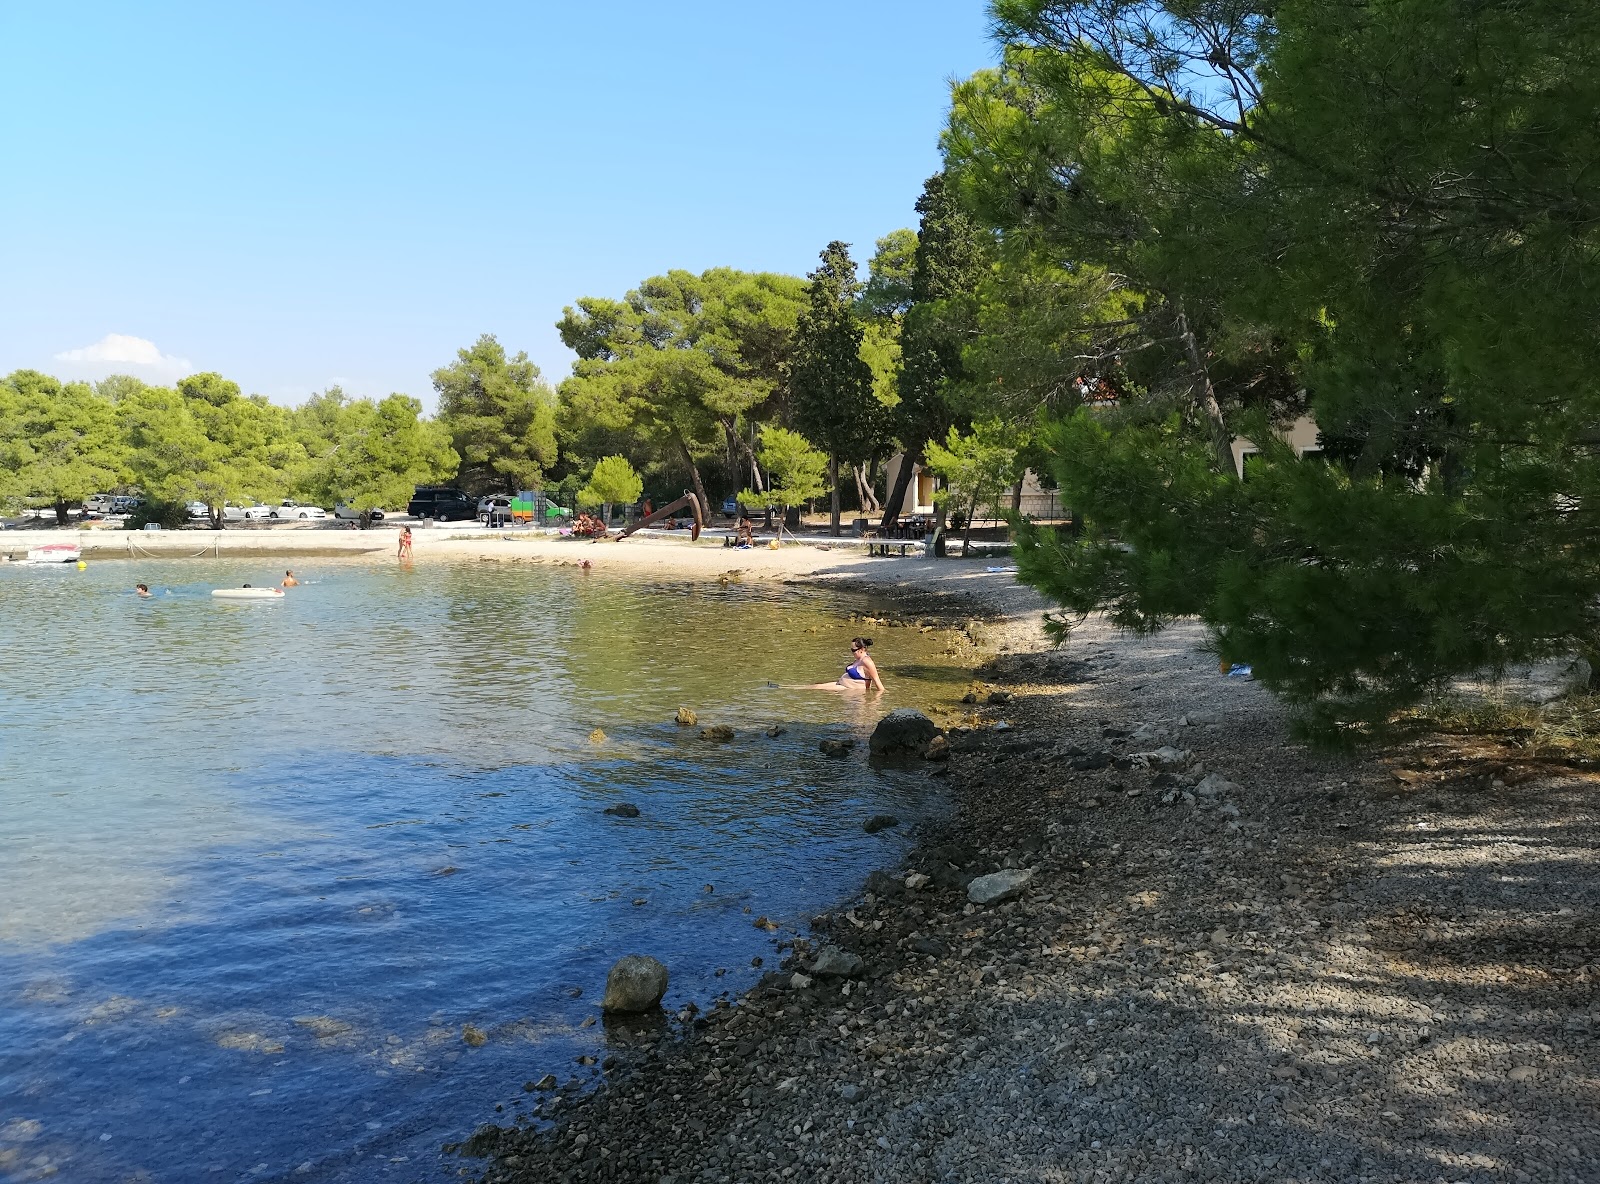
(270, 859)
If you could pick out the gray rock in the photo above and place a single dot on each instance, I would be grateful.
(903, 732)
(836, 748)
(623, 810)
(879, 822)
(832, 962)
(636, 983)
(686, 718)
(717, 733)
(852, 1093)
(999, 698)
(998, 886)
(1215, 785)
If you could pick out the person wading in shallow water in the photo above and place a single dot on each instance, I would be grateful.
(405, 542)
(861, 674)
(289, 581)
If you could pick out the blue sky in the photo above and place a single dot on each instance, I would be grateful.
(297, 194)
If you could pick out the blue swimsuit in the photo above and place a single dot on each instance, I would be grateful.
(854, 671)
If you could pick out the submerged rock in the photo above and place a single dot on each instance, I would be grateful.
(623, 810)
(717, 734)
(836, 748)
(879, 822)
(998, 886)
(636, 983)
(685, 718)
(903, 732)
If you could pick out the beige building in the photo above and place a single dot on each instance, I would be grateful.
(1302, 436)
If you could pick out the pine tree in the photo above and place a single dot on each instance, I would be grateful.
(952, 251)
(830, 383)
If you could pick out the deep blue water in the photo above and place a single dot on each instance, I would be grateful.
(260, 864)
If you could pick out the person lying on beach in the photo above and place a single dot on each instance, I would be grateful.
(289, 581)
(861, 674)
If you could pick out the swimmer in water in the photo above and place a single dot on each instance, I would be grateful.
(143, 590)
(289, 581)
(861, 674)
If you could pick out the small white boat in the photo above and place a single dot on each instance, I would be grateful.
(248, 593)
(54, 553)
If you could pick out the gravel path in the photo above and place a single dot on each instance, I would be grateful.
(1304, 968)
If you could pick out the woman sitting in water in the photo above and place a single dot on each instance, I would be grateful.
(862, 673)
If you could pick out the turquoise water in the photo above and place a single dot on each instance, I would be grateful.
(261, 862)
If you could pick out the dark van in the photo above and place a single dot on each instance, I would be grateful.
(443, 503)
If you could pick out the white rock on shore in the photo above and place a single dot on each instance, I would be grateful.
(998, 886)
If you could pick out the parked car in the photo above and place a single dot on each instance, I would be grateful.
(244, 511)
(730, 506)
(494, 510)
(198, 510)
(293, 509)
(348, 513)
(125, 503)
(100, 503)
(443, 503)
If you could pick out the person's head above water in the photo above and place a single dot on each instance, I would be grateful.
(142, 589)
(860, 645)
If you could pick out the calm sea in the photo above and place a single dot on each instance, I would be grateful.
(261, 863)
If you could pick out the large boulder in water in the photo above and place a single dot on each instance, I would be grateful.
(903, 732)
(636, 983)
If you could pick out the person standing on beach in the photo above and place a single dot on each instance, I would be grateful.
(289, 581)
(405, 542)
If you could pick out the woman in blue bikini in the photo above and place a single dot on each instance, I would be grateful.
(861, 674)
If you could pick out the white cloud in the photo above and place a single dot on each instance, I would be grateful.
(119, 352)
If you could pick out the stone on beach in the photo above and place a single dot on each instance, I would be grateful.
(833, 962)
(636, 983)
(903, 732)
(998, 886)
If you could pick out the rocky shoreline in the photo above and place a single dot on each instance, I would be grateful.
(1225, 957)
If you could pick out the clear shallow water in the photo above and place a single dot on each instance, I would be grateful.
(260, 862)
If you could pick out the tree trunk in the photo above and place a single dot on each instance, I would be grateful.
(694, 471)
(833, 494)
(749, 453)
(864, 491)
(1205, 395)
(215, 514)
(62, 517)
(902, 482)
(966, 535)
(1016, 497)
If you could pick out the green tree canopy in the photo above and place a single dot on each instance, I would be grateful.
(796, 468)
(500, 416)
(58, 442)
(1385, 212)
(832, 384)
(976, 468)
(379, 453)
(612, 482)
(684, 363)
